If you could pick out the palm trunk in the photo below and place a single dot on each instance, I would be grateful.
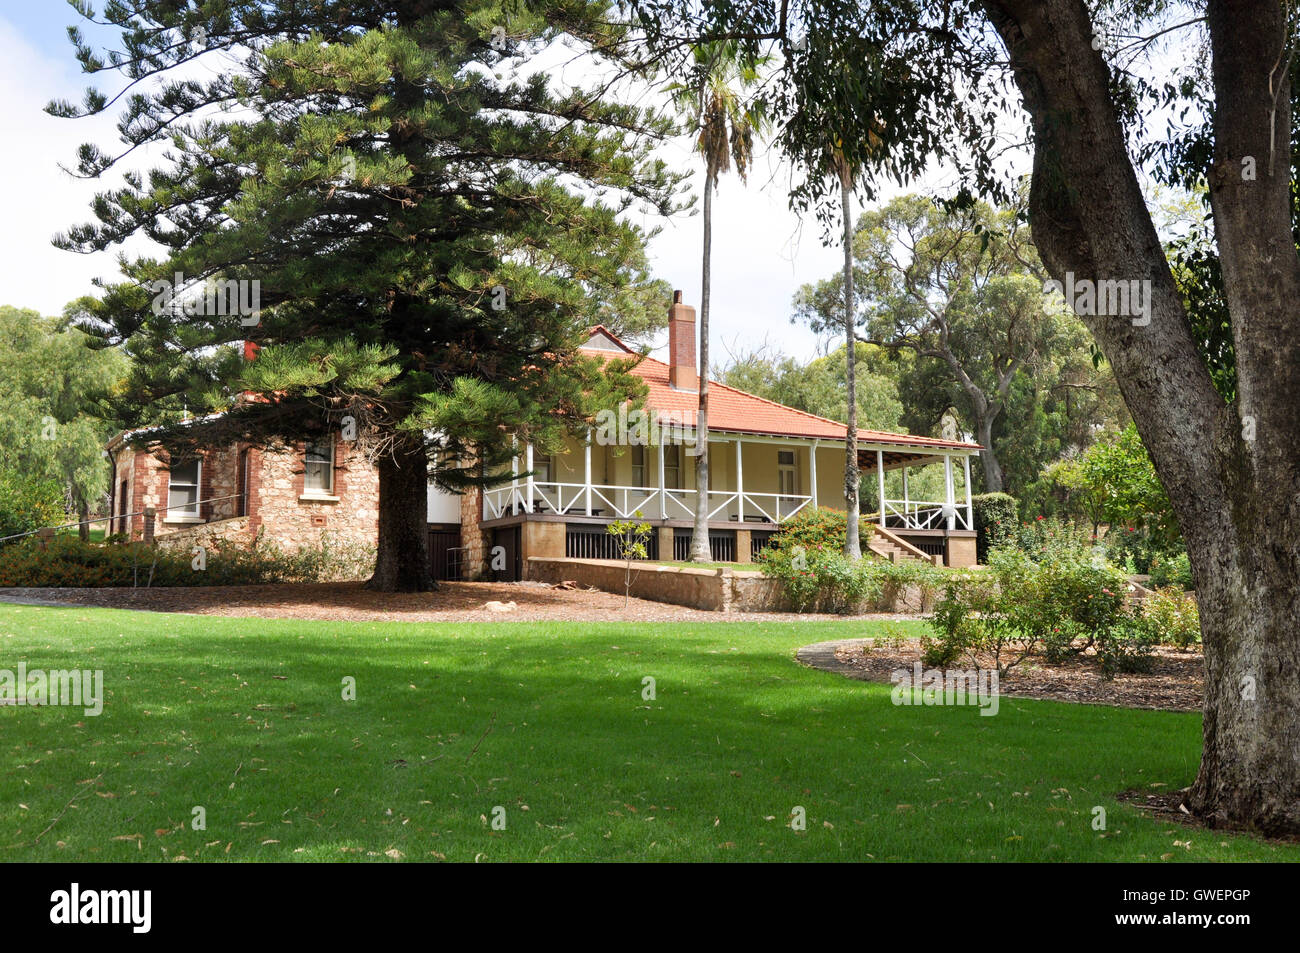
(402, 561)
(852, 477)
(700, 551)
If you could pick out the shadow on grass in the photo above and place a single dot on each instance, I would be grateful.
(551, 727)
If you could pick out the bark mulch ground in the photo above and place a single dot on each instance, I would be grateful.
(1174, 683)
(348, 601)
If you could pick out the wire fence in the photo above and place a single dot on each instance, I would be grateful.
(122, 516)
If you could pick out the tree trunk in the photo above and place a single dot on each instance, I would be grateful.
(852, 477)
(402, 561)
(993, 481)
(83, 515)
(1231, 471)
(700, 551)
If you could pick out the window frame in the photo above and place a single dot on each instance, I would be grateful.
(326, 492)
(191, 512)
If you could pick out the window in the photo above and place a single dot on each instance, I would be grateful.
(787, 481)
(673, 466)
(543, 468)
(241, 500)
(183, 489)
(638, 465)
(318, 472)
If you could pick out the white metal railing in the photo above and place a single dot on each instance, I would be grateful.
(625, 502)
(926, 514)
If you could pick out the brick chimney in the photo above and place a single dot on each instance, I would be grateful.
(683, 373)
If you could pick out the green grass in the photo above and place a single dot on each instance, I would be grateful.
(244, 717)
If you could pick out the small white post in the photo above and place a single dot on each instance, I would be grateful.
(528, 465)
(663, 498)
(740, 484)
(812, 471)
(970, 512)
(950, 501)
(880, 474)
(907, 497)
(587, 477)
(514, 473)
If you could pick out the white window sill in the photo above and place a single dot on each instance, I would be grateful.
(317, 498)
(182, 519)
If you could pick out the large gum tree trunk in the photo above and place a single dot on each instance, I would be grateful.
(402, 561)
(1232, 471)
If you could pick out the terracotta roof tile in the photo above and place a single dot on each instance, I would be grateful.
(736, 411)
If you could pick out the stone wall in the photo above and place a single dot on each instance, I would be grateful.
(473, 537)
(214, 535)
(284, 514)
(276, 505)
(715, 590)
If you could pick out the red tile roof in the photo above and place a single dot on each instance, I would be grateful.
(738, 412)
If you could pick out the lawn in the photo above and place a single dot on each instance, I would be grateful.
(452, 723)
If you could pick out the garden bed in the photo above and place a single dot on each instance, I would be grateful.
(1175, 682)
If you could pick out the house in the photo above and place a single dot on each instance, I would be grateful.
(767, 462)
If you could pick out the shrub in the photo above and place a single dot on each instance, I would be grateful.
(996, 516)
(896, 577)
(27, 505)
(1171, 571)
(1129, 548)
(1125, 647)
(821, 579)
(66, 561)
(1172, 617)
(1060, 604)
(812, 528)
(1049, 539)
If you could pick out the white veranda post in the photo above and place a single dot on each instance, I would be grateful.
(970, 513)
(586, 480)
(663, 498)
(740, 485)
(880, 482)
(950, 503)
(528, 465)
(812, 471)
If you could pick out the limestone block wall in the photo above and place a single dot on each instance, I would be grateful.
(283, 512)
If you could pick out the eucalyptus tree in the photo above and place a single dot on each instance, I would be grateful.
(1077, 83)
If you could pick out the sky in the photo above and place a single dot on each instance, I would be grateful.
(762, 251)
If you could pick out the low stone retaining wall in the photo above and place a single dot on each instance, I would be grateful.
(715, 590)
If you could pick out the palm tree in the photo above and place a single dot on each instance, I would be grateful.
(713, 100)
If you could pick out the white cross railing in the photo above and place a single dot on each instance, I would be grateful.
(625, 502)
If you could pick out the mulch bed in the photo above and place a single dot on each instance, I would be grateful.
(348, 601)
(1174, 683)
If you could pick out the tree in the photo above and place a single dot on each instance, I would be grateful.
(428, 229)
(714, 101)
(953, 84)
(955, 288)
(1114, 482)
(50, 380)
(852, 476)
(819, 386)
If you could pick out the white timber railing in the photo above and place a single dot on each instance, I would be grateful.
(626, 502)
